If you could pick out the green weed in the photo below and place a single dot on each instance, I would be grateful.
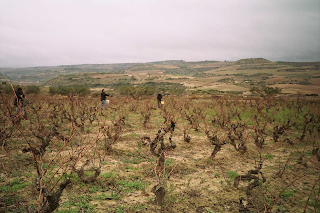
(94, 189)
(269, 157)
(16, 185)
(168, 162)
(287, 194)
(130, 168)
(232, 174)
(209, 210)
(82, 202)
(129, 186)
(104, 196)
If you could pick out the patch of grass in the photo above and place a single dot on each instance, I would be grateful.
(309, 152)
(153, 159)
(130, 168)
(9, 200)
(209, 210)
(168, 162)
(312, 202)
(74, 177)
(132, 158)
(16, 185)
(186, 172)
(281, 208)
(129, 186)
(82, 202)
(287, 194)
(232, 174)
(108, 175)
(104, 196)
(267, 200)
(110, 178)
(68, 211)
(119, 209)
(269, 157)
(129, 208)
(172, 198)
(131, 136)
(217, 175)
(88, 173)
(94, 189)
(202, 181)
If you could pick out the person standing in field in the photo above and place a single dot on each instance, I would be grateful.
(159, 98)
(103, 99)
(18, 101)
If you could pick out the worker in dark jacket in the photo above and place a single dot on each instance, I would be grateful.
(159, 98)
(103, 99)
(19, 100)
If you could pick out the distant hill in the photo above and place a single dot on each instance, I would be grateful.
(207, 76)
(253, 61)
(40, 75)
(167, 62)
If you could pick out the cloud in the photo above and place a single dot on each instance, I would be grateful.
(55, 32)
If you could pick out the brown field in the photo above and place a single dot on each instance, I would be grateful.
(193, 178)
(299, 89)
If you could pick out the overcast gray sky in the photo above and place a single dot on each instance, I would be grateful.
(60, 32)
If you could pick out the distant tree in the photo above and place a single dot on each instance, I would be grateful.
(7, 89)
(67, 90)
(272, 90)
(33, 89)
(136, 91)
(266, 91)
(255, 90)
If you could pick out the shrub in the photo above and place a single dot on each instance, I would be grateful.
(136, 90)
(312, 94)
(66, 90)
(266, 90)
(33, 89)
(272, 90)
(7, 89)
(304, 83)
